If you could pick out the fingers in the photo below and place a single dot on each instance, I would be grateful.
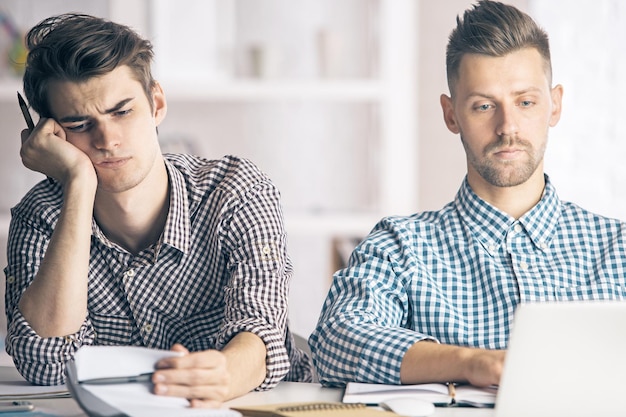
(207, 359)
(201, 377)
(208, 388)
(202, 388)
(38, 144)
(180, 348)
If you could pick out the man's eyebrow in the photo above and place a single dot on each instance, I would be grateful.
(514, 93)
(118, 105)
(80, 118)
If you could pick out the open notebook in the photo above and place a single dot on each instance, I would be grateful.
(441, 395)
(565, 359)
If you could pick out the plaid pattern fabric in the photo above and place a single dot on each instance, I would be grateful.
(456, 276)
(220, 268)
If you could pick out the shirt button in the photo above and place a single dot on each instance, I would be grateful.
(267, 250)
(523, 265)
(517, 228)
(130, 273)
(10, 279)
(148, 328)
(543, 245)
(491, 248)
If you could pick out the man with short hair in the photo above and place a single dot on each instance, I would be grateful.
(132, 247)
(431, 297)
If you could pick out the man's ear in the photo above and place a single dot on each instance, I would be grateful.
(557, 99)
(448, 113)
(159, 103)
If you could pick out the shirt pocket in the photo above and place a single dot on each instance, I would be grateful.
(601, 290)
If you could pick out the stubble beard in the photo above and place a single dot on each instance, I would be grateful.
(501, 173)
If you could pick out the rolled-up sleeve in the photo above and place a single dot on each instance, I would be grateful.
(260, 273)
(361, 334)
(41, 361)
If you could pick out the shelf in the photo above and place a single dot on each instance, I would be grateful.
(330, 224)
(252, 90)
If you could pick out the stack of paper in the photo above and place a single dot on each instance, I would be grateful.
(14, 387)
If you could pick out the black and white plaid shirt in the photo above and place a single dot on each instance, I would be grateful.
(220, 268)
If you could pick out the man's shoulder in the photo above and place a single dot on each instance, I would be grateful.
(231, 173)
(579, 217)
(42, 203)
(423, 223)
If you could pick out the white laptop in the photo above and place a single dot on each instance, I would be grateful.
(565, 359)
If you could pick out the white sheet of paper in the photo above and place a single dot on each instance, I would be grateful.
(116, 361)
(136, 400)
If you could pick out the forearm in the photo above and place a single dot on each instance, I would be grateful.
(426, 362)
(55, 304)
(245, 362)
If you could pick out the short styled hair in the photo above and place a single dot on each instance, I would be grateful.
(494, 29)
(76, 47)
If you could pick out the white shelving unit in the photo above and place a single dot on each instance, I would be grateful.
(385, 98)
(247, 90)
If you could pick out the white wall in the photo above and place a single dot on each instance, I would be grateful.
(586, 152)
(585, 158)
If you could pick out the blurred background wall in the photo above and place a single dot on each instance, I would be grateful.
(338, 101)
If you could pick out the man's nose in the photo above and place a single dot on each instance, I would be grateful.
(508, 124)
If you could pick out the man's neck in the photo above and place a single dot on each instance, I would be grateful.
(135, 219)
(516, 200)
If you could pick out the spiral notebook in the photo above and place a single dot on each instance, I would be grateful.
(317, 409)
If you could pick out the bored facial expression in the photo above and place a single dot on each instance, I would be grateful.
(110, 119)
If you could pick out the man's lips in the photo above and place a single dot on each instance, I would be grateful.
(112, 163)
(508, 153)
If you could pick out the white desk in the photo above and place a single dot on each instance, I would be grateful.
(285, 392)
(298, 392)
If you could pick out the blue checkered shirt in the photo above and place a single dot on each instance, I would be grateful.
(456, 276)
(220, 268)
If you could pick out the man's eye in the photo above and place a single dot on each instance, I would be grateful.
(77, 128)
(526, 103)
(483, 107)
(123, 112)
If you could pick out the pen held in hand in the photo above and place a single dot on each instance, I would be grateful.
(147, 377)
(25, 112)
(28, 119)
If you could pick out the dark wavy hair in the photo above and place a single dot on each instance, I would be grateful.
(494, 29)
(75, 47)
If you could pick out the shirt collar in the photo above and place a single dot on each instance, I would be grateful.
(490, 225)
(177, 231)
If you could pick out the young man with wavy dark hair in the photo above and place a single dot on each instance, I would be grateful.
(133, 247)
